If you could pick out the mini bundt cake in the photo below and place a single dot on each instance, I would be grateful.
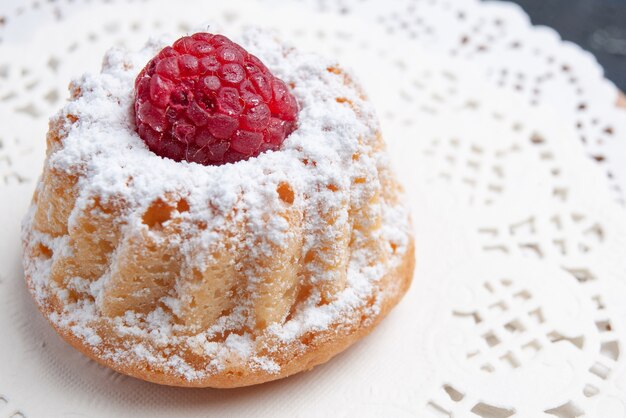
(222, 259)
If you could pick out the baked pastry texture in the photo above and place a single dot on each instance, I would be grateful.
(220, 276)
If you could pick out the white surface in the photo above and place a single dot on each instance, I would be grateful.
(517, 304)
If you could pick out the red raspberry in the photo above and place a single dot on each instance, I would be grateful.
(207, 100)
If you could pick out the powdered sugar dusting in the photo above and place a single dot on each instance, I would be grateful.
(114, 164)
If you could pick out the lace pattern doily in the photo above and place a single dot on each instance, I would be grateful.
(517, 303)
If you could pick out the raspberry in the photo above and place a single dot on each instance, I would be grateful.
(207, 100)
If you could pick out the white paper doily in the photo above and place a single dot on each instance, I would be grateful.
(517, 304)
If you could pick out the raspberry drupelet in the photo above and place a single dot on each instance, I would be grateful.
(207, 100)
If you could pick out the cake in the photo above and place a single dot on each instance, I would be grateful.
(236, 268)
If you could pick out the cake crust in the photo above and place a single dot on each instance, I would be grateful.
(321, 347)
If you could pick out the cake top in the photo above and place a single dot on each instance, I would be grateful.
(115, 164)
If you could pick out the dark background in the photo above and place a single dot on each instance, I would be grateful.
(599, 26)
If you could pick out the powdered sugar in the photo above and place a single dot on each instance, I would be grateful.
(115, 165)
